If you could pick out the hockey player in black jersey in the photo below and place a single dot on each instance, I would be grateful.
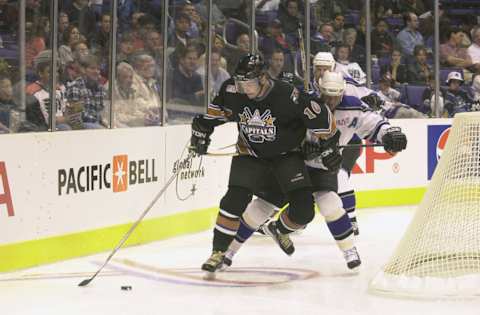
(272, 119)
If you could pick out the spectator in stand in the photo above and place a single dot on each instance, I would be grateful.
(219, 74)
(233, 55)
(218, 44)
(154, 47)
(86, 95)
(7, 106)
(186, 84)
(338, 24)
(451, 54)
(415, 6)
(386, 92)
(35, 42)
(39, 107)
(82, 15)
(289, 15)
(474, 49)
(231, 8)
(70, 36)
(383, 42)
(398, 70)
(475, 90)
(8, 17)
(427, 22)
(179, 35)
(137, 30)
(125, 10)
(72, 70)
(99, 41)
(131, 110)
(179, 38)
(349, 69)
(455, 99)
(274, 38)
(410, 37)
(357, 52)
(125, 47)
(276, 64)
(197, 23)
(63, 24)
(147, 87)
(392, 107)
(323, 40)
(324, 9)
(266, 5)
(428, 97)
(419, 71)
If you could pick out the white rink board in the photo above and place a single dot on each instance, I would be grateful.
(33, 162)
(377, 170)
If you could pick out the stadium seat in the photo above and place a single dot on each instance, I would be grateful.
(414, 95)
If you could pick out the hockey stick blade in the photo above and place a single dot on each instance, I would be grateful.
(86, 281)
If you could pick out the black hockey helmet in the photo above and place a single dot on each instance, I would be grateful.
(250, 66)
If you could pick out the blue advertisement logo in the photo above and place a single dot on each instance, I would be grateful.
(437, 139)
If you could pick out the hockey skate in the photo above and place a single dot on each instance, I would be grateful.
(352, 258)
(283, 240)
(214, 263)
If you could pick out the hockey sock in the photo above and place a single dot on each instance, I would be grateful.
(225, 229)
(349, 202)
(243, 234)
(342, 232)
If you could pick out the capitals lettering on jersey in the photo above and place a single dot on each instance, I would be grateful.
(258, 127)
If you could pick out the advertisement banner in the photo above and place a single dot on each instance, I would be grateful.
(437, 136)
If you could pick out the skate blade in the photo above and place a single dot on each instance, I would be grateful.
(355, 270)
(209, 276)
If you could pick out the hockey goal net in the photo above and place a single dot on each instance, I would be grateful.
(439, 255)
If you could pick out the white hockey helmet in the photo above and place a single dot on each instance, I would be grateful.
(333, 84)
(324, 59)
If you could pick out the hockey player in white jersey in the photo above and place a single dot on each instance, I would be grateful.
(352, 117)
(323, 62)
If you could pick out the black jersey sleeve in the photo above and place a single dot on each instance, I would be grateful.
(216, 113)
(316, 116)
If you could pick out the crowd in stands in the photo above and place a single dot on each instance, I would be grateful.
(402, 42)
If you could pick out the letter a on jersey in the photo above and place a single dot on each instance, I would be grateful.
(6, 196)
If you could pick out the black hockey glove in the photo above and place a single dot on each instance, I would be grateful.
(200, 139)
(332, 159)
(313, 150)
(373, 100)
(327, 150)
(394, 140)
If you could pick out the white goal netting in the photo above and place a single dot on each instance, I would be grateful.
(439, 255)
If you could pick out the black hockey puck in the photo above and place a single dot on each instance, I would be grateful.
(126, 287)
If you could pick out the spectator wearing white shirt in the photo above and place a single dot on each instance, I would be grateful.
(266, 5)
(219, 74)
(474, 49)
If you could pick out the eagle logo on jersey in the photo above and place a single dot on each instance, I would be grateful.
(258, 127)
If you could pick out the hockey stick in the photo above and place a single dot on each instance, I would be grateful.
(345, 146)
(303, 56)
(360, 145)
(129, 232)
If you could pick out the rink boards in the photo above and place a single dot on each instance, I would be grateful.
(70, 194)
